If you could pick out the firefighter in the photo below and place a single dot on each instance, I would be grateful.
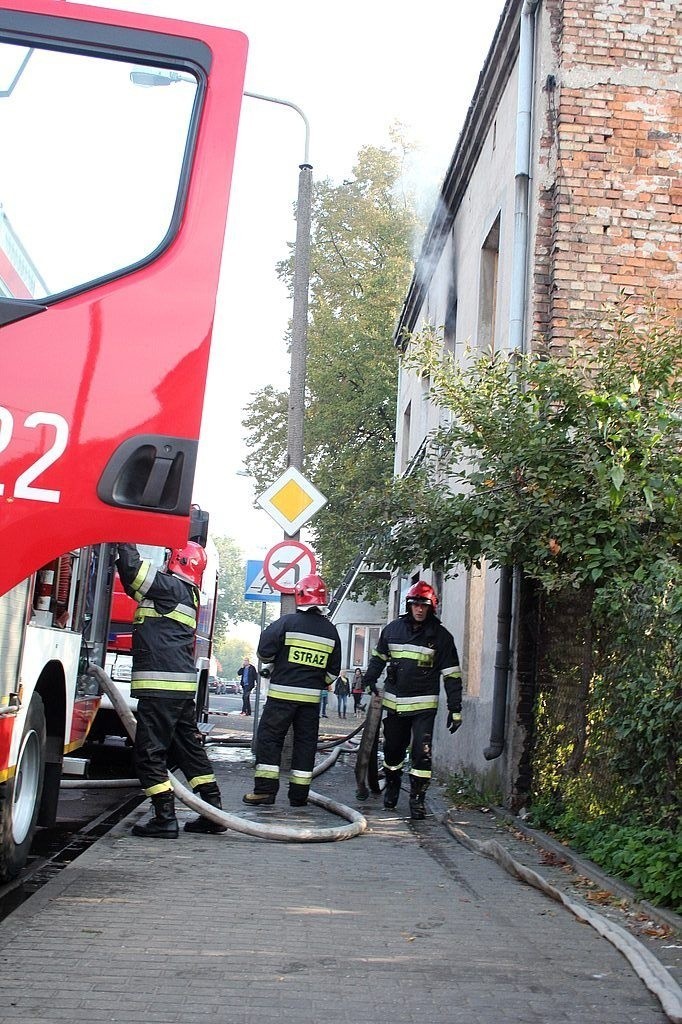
(301, 654)
(164, 680)
(416, 650)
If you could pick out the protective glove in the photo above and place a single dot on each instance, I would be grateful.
(454, 721)
(372, 687)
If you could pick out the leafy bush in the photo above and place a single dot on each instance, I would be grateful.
(637, 696)
(646, 857)
(622, 803)
(465, 790)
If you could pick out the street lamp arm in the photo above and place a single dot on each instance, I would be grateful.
(287, 103)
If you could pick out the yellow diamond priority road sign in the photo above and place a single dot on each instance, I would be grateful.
(291, 501)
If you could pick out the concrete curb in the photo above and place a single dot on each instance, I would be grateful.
(581, 865)
(586, 867)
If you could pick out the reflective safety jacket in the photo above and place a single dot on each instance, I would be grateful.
(415, 656)
(164, 627)
(304, 651)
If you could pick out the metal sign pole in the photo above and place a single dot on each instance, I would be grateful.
(256, 703)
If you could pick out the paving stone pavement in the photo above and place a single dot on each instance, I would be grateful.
(401, 924)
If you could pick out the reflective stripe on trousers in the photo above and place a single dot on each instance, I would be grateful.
(415, 731)
(167, 736)
(277, 717)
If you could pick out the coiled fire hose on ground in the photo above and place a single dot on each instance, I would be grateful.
(357, 824)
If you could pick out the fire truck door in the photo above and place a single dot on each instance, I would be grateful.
(118, 135)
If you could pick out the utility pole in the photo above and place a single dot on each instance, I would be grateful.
(299, 332)
(299, 343)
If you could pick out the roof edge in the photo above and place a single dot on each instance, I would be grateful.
(491, 82)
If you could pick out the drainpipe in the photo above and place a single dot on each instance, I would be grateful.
(502, 659)
(524, 110)
(509, 579)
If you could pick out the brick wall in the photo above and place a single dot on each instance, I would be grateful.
(610, 211)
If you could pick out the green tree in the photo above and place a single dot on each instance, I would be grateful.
(231, 653)
(570, 468)
(232, 608)
(362, 236)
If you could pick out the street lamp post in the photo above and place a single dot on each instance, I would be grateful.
(299, 329)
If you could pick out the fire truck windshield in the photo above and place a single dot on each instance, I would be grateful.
(92, 165)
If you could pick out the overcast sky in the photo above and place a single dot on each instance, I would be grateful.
(354, 68)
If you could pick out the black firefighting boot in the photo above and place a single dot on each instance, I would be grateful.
(392, 788)
(418, 789)
(298, 795)
(211, 795)
(163, 824)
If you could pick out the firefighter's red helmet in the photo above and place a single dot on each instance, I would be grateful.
(188, 563)
(422, 593)
(311, 592)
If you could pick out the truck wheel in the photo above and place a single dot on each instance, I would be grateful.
(20, 795)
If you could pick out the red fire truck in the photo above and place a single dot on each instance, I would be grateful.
(113, 200)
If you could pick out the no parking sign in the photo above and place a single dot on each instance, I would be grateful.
(286, 563)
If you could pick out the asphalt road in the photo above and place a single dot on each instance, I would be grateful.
(227, 702)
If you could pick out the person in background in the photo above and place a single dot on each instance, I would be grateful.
(357, 690)
(164, 681)
(416, 650)
(249, 677)
(342, 691)
(324, 697)
(301, 653)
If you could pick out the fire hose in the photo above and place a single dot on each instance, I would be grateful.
(279, 833)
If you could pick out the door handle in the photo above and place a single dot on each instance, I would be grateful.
(150, 473)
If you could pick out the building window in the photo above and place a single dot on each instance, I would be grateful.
(405, 439)
(450, 327)
(363, 640)
(472, 651)
(487, 293)
(425, 392)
